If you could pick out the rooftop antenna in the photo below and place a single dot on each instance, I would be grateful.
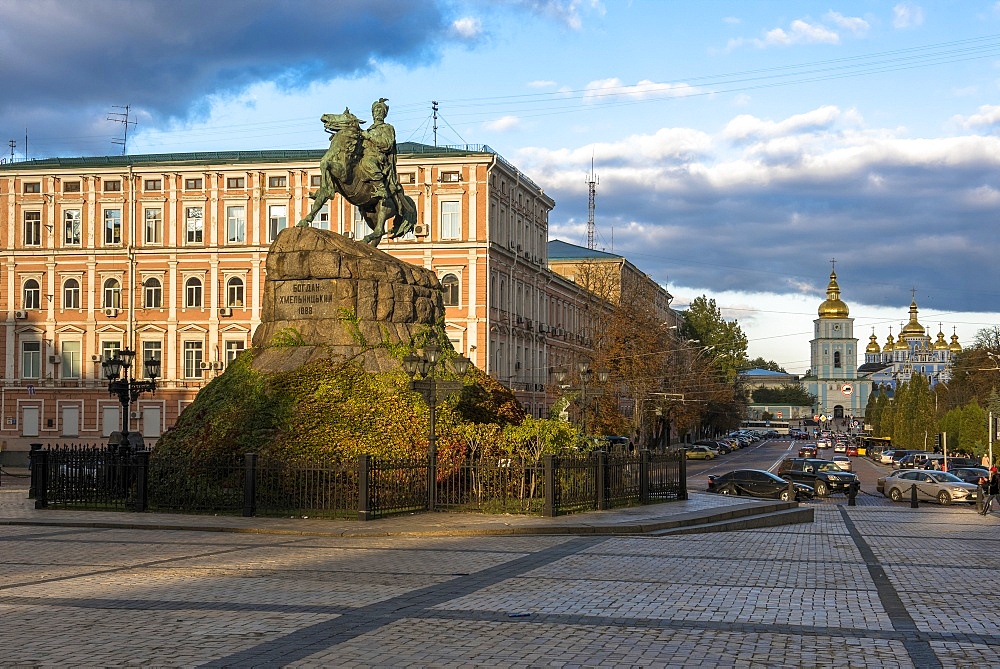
(121, 117)
(25, 144)
(434, 108)
(592, 182)
(12, 144)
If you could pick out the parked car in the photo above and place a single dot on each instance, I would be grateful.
(756, 483)
(942, 487)
(852, 451)
(970, 474)
(807, 450)
(912, 460)
(698, 452)
(843, 462)
(885, 457)
(824, 476)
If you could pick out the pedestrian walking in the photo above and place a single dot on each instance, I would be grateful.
(992, 490)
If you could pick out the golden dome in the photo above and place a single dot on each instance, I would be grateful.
(889, 343)
(833, 306)
(940, 344)
(913, 328)
(954, 347)
(873, 346)
(900, 344)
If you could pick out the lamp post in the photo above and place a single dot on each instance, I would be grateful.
(123, 385)
(423, 370)
(586, 377)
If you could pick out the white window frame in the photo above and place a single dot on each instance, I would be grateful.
(112, 227)
(194, 224)
(277, 220)
(71, 294)
(152, 225)
(450, 221)
(71, 366)
(72, 227)
(32, 231)
(193, 352)
(236, 224)
(31, 360)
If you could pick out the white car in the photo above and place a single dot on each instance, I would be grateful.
(942, 487)
(840, 447)
(843, 462)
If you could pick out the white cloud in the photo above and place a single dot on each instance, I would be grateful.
(502, 124)
(542, 83)
(467, 27)
(987, 116)
(800, 32)
(856, 25)
(746, 126)
(731, 20)
(640, 90)
(905, 15)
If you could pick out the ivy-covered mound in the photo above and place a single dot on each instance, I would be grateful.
(328, 410)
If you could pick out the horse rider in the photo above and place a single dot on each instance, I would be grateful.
(379, 161)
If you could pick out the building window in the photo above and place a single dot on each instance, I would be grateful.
(32, 187)
(32, 228)
(31, 360)
(112, 294)
(193, 184)
(322, 220)
(192, 359)
(110, 349)
(451, 177)
(31, 295)
(152, 184)
(451, 226)
(152, 350)
(406, 178)
(152, 293)
(71, 186)
(277, 220)
(450, 285)
(315, 180)
(236, 182)
(192, 293)
(72, 358)
(153, 226)
(233, 348)
(71, 294)
(194, 224)
(112, 186)
(234, 292)
(277, 182)
(72, 227)
(236, 225)
(836, 358)
(112, 226)
(360, 227)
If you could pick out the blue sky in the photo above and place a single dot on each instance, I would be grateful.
(739, 145)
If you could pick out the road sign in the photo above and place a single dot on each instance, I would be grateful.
(822, 418)
(847, 389)
(779, 414)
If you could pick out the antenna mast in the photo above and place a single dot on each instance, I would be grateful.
(592, 182)
(434, 107)
(121, 117)
(12, 144)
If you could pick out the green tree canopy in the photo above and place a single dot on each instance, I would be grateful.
(791, 395)
(703, 321)
(761, 363)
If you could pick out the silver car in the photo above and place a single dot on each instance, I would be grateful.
(941, 487)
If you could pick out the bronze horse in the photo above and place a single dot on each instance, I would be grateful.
(340, 173)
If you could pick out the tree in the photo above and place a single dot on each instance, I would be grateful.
(761, 363)
(703, 321)
(913, 421)
(791, 395)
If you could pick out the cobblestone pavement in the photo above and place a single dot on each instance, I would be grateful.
(879, 586)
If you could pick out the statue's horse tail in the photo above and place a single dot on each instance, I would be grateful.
(407, 216)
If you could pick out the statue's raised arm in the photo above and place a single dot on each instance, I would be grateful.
(361, 166)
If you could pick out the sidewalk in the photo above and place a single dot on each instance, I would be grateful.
(702, 510)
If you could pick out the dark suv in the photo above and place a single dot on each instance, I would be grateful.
(823, 475)
(807, 450)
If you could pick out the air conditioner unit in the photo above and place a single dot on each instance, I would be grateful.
(420, 230)
(134, 414)
(97, 358)
(226, 311)
(542, 327)
(205, 365)
(217, 365)
(55, 359)
(21, 314)
(111, 312)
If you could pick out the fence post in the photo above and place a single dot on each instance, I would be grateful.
(41, 465)
(364, 499)
(913, 497)
(601, 480)
(682, 475)
(551, 506)
(141, 463)
(644, 471)
(32, 469)
(249, 484)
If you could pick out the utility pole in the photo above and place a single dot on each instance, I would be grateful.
(12, 144)
(592, 182)
(434, 108)
(121, 117)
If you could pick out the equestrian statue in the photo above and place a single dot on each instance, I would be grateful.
(361, 166)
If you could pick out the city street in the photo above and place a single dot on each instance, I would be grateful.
(862, 586)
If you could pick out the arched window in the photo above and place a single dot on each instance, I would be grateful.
(71, 294)
(192, 293)
(31, 298)
(450, 285)
(152, 292)
(112, 294)
(234, 292)
(836, 358)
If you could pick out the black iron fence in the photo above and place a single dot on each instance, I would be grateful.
(85, 476)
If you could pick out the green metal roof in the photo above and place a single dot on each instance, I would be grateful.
(560, 250)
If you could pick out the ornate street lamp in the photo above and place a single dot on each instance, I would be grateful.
(586, 378)
(126, 387)
(423, 370)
